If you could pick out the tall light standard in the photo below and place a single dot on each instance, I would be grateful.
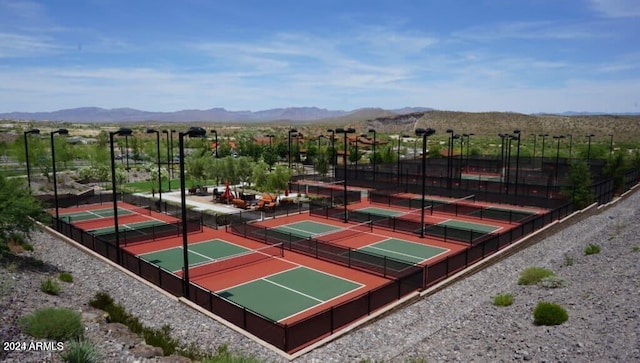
(611, 143)
(333, 151)
(543, 136)
(502, 157)
(424, 133)
(468, 136)
(26, 153)
(516, 136)
(373, 156)
(400, 137)
(589, 147)
(215, 134)
(53, 164)
(121, 132)
(345, 131)
(570, 144)
(449, 156)
(289, 133)
(270, 136)
(168, 157)
(559, 137)
(152, 131)
(192, 132)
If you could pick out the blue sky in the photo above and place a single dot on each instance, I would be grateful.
(487, 55)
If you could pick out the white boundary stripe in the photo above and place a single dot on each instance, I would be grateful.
(394, 252)
(294, 290)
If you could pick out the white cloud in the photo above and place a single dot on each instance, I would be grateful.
(616, 8)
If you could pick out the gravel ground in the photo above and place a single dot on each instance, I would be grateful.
(601, 294)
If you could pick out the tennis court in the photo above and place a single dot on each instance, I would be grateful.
(86, 215)
(172, 259)
(284, 294)
(380, 211)
(403, 250)
(129, 227)
(306, 229)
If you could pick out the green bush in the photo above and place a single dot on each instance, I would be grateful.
(224, 356)
(546, 313)
(82, 351)
(591, 249)
(50, 287)
(66, 277)
(161, 338)
(635, 249)
(52, 323)
(533, 275)
(503, 300)
(27, 247)
(101, 300)
(551, 282)
(568, 260)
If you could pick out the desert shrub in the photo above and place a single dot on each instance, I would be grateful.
(503, 300)
(50, 287)
(52, 323)
(101, 300)
(533, 275)
(27, 247)
(635, 249)
(81, 351)
(65, 277)
(225, 356)
(568, 260)
(551, 282)
(591, 249)
(546, 313)
(161, 338)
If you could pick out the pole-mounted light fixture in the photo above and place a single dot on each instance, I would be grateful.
(55, 181)
(345, 131)
(424, 133)
(121, 132)
(153, 131)
(26, 152)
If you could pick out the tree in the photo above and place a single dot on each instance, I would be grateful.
(195, 167)
(321, 163)
(18, 211)
(579, 188)
(278, 179)
(260, 175)
(615, 168)
(244, 169)
(270, 156)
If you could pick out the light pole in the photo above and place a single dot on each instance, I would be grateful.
(502, 157)
(345, 131)
(289, 133)
(449, 156)
(468, 136)
(611, 144)
(589, 147)
(192, 132)
(516, 136)
(121, 132)
(543, 136)
(26, 153)
(215, 134)
(270, 136)
(152, 131)
(373, 156)
(333, 151)
(560, 137)
(424, 133)
(400, 137)
(55, 181)
(570, 144)
(168, 158)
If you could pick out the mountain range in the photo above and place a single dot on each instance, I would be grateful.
(301, 114)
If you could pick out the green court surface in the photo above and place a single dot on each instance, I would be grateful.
(288, 293)
(476, 227)
(93, 214)
(306, 229)
(503, 214)
(172, 259)
(380, 212)
(402, 250)
(130, 227)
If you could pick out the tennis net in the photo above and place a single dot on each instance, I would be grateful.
(344, 233)
(236, 261)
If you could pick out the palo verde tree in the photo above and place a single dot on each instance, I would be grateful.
(18, 212)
